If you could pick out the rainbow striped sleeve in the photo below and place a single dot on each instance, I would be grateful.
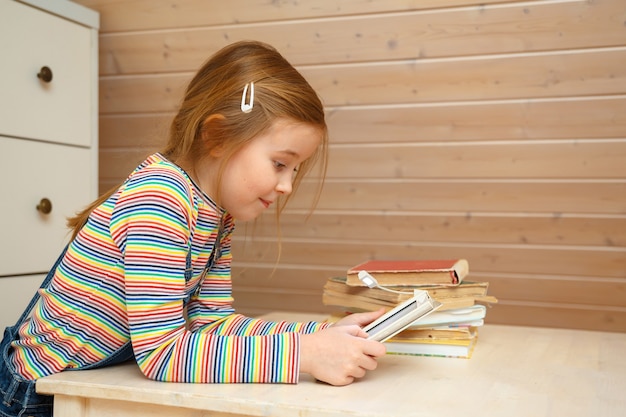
(151, 225)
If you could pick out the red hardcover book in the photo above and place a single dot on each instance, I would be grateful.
(398, 272)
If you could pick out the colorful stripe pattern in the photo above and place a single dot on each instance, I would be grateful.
(123, 278)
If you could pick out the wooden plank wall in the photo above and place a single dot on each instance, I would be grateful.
(491, 130)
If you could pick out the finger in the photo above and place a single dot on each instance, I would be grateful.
(348, 380)
(355, 330)
(375, 349)
(362, 333)
(367, 318)
(368, 363)
(344, 381)
(359, 372)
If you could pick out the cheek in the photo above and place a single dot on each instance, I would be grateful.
(247, 176)
(241, 185)
(255, 176)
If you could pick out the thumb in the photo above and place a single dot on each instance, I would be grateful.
(373, 315)
(357, 331)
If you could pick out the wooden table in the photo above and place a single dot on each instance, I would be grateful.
(515, 371)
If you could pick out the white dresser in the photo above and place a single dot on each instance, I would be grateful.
(48, 137)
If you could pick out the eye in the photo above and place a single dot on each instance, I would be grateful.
(278, 165)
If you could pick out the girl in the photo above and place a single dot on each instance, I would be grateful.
(146, 274)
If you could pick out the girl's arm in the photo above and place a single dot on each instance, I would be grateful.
(151, 226)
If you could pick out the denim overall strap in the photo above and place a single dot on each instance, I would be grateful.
(188, 274)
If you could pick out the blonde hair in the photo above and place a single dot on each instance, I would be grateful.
(281, 92)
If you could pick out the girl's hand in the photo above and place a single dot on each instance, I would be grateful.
(341, 353)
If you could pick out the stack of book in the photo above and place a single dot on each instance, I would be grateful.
(451, 331)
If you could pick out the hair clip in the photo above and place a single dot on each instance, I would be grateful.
(247, 107)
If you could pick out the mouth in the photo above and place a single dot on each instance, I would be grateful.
(265, 203)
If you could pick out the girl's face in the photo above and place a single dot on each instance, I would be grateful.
(264, 169)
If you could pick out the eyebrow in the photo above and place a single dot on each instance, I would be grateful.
(289, 152)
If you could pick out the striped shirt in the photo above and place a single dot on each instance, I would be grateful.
(123, 278)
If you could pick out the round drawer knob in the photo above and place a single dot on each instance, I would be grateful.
(44, 206)
(45, 74)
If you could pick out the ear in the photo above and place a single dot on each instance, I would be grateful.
(216, 149)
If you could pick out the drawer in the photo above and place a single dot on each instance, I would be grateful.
(15, 294)
(31, 171)
(60, 110)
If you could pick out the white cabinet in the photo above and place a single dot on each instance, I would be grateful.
(48, 137)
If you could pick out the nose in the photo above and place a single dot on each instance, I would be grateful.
(285, 184)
